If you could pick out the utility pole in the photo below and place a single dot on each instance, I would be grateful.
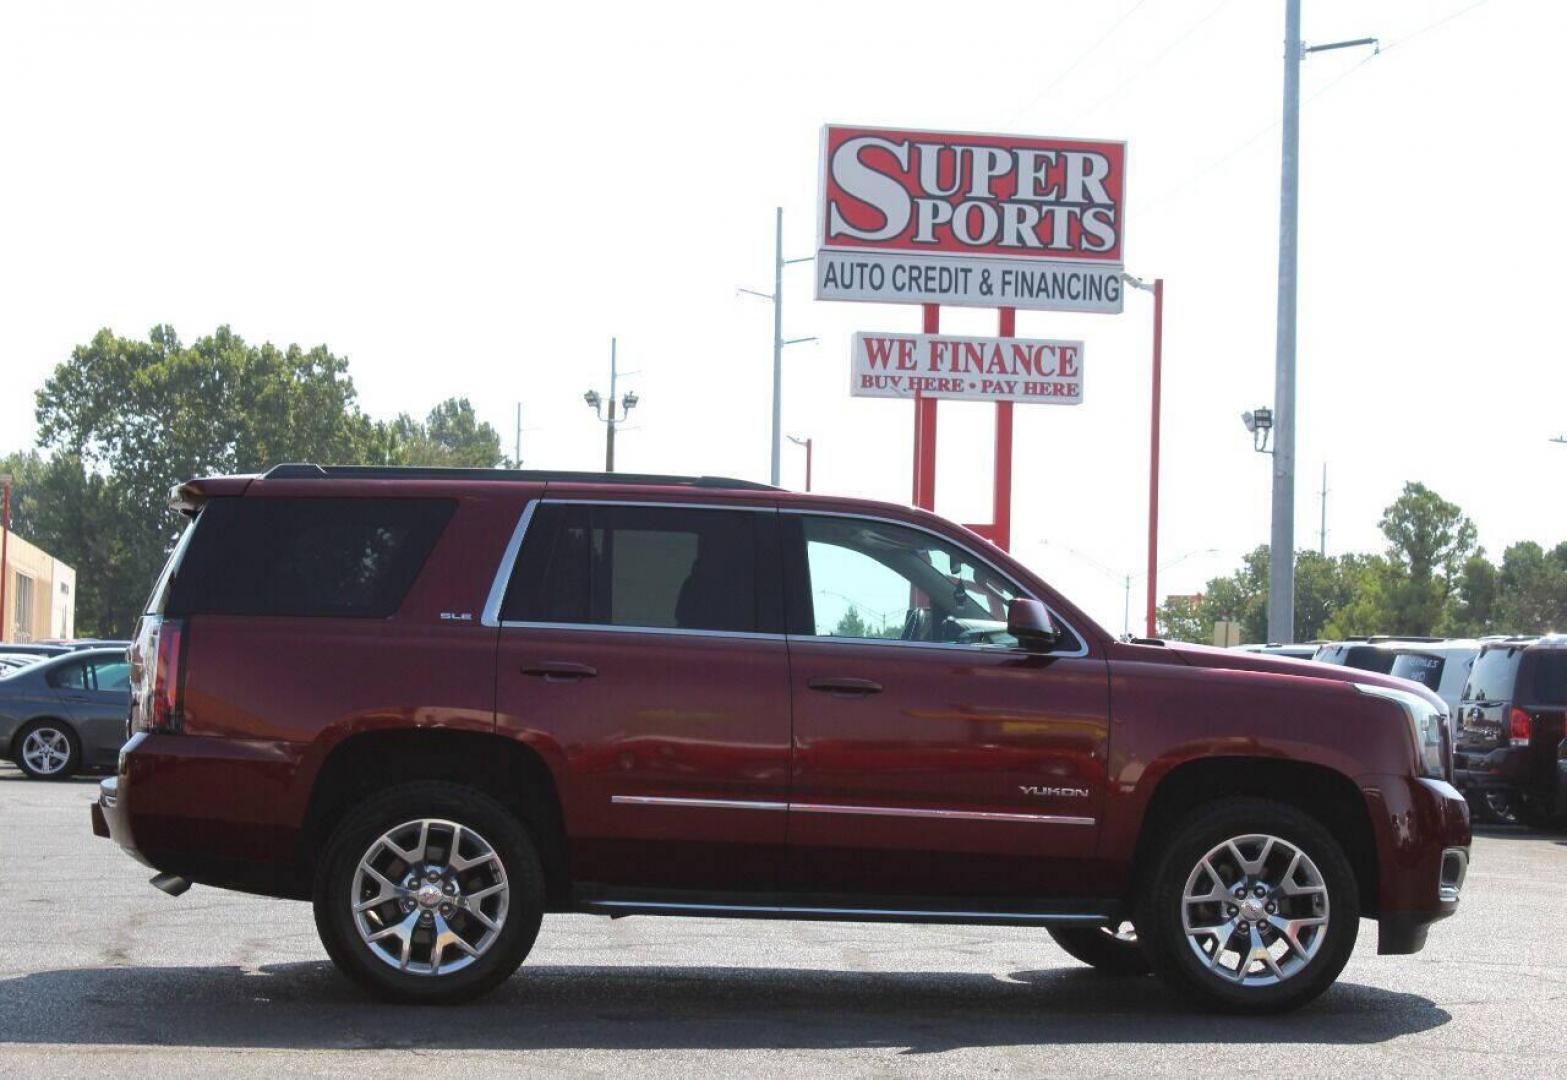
(596, 403)
(1323, 549)
(516, 458)
(1281, 552)
(779, 341)
(808, 443)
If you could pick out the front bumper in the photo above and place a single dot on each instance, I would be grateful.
(1422, 835)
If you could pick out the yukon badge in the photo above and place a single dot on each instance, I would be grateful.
(1054, 792)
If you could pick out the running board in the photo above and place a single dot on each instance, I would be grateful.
(976, 915)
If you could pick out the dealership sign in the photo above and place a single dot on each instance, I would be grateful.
(967, 368)
(978, 220)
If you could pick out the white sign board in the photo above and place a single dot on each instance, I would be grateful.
(920, 217)
(967, 368)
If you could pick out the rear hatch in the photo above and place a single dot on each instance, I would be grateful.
(1488, 696)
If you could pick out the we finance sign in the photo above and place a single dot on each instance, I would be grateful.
(978, 220)
(968, 369)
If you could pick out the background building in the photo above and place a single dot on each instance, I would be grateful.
(40, 594)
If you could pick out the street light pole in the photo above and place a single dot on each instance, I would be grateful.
(609, 428)
(626, 404)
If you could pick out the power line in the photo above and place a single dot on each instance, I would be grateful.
(1146, 67)
(1084, 55)
(1246, 143)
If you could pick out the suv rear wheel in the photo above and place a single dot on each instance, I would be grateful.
(1253, 907)
(430, 892)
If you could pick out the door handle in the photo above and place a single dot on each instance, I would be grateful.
(846, 686)
(560, 671)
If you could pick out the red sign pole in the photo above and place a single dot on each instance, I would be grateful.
(1153, 456)
(1001, 515)
(925, 430)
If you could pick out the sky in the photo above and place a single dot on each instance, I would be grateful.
(471, 199)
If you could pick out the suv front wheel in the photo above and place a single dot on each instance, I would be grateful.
(1253, 907)
(429, 892)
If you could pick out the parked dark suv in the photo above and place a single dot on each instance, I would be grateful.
(443, 704)
(1511, 724)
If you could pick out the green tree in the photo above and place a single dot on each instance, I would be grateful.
(126, 419)
(1472, 607)
(75, 515)
(851, 625)
(452, 435)
(1531, 593)
(1429, 541)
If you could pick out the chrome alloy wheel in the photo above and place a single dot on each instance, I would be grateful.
(430, 897)
(1255, 910)
(46, 750)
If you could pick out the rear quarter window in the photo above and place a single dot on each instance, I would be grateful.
(330, 557)
(1419, 667)
(1550, 678)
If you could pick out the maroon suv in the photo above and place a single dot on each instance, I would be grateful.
(440, 704)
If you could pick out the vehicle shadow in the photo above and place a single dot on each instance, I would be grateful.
(308, 1005)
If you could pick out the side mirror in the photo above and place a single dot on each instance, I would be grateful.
(1029, 621)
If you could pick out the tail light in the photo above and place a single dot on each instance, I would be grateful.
(1518, 725)
(158, 682)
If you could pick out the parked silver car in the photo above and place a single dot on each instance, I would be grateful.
(65, 713)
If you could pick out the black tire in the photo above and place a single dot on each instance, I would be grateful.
(1160, 910)
(53, 730)
(338, 868)
(1536, 813)
(1107, 949)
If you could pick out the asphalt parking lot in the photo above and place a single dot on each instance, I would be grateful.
(101, 974)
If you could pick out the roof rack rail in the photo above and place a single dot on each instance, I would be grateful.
(309, 471)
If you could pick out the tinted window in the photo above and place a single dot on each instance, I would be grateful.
(111, 675)
(645, 566)
(873, 580)
(69, 677)
(1370, 658)
(1493, 674)
(1422, 668)
(311, 556)
(1550, 677)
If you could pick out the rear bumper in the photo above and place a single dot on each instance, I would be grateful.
(1423, 839)
(189, 806)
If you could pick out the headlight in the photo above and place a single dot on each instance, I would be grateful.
(1427, 723)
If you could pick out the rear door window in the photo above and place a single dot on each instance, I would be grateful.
(654, 567)
(1493, 675)
(342, 557)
